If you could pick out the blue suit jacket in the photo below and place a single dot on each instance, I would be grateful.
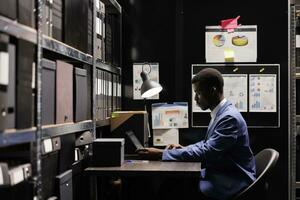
(227, 161)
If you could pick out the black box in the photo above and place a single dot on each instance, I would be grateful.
(24, 98)
(64, 185)
(26, 12)
(108, 152)
(67, 152)
(81, 91)
(48, 94)
(49, 172)
(136, 121)
(78, 34)
(8, 8)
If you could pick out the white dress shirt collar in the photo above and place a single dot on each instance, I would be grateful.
(216, 109)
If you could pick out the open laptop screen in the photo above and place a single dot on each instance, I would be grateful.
(134, 140)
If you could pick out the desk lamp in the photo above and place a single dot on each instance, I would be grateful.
(149, 88)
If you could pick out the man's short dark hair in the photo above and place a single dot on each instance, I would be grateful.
(209, 78)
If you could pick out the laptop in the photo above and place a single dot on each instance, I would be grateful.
(134, 140)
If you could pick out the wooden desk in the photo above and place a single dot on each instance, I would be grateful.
(138, 168)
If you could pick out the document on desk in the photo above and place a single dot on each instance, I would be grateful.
(167, 116)
(263, 94)
(163, 137)
(237, 46)
(236, 93)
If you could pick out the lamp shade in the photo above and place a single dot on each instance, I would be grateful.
(149, 88)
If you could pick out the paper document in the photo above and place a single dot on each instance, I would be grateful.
(239, 46)
(263, 94)
(235, 90)
(163, 137)
(166, 116)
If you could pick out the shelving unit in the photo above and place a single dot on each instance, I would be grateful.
(15, 137)
(63, 129)
(109, 68)
(46, 45)
(293, 118)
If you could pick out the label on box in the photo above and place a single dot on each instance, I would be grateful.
(4, 68)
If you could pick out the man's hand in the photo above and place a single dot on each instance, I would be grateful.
(150, 153)
(174, 146)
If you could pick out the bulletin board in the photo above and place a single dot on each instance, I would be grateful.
(254, 89)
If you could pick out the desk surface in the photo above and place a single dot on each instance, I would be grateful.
(148, 168)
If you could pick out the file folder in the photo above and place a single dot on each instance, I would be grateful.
(64, 92)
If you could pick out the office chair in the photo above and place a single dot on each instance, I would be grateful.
(265, 161)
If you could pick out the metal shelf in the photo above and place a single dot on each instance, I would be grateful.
(66, 50)
(106, 67)
(104, 122)
(112, 6)
(63, 129)
(20, 31)
(29, 34)
(298, 185)
(14, 137)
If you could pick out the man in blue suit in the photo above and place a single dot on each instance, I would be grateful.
(228, 164)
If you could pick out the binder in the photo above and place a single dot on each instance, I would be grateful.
(11, 103)
(89, 90)
(119, 95)
(109, 94)
(8, 8)
(79, 34)
(46, 18)
(81, 95)
(108, 39)
(57, 19)
(48, 94)
(98, 42)
(97, 95)
(24, 98)
(102, 15)
(26, 12)
(4, 81)
(103, 100)
(115, 84)
(100, 96)
(64, 92)
(105, 95)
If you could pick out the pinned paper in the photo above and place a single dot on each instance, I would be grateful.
(163, 137)
(228, 55)
(230, 24)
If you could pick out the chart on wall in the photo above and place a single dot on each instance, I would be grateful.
(152, 70)
(262, 93)
(254, 89)
(167, 116)
(238, 46)
(235, 90)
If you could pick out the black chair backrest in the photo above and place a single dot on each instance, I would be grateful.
(265, 161)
